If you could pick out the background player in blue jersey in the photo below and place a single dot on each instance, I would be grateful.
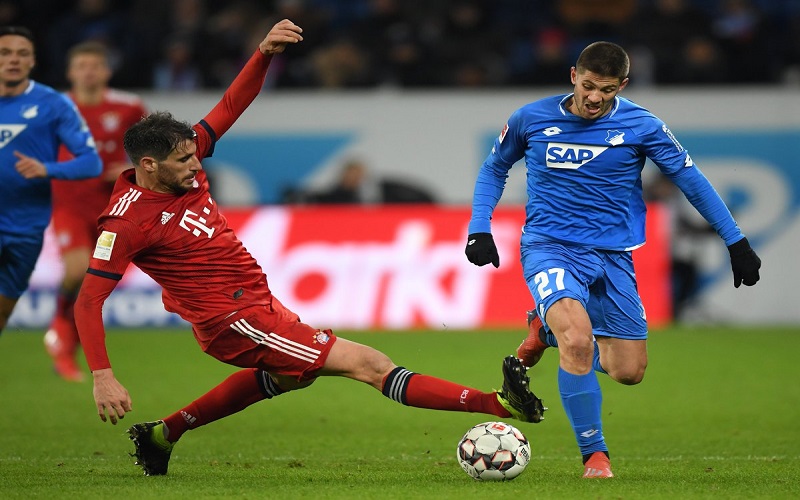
(584, 153)
(34, 121)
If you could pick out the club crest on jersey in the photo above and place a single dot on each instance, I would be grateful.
(29, 112)
(321, 337)
(104, 245)
(615, 137)
(571, 156)
(8, 132)
(111, 121)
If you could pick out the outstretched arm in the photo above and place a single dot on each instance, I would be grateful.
(247, 84)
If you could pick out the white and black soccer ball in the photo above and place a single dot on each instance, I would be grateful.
(493, 451)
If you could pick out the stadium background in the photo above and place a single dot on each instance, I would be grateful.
(382, 266)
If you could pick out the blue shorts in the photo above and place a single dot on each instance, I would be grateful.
(603, 281)
(18, 256)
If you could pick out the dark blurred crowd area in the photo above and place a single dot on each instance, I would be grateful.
(202, 44)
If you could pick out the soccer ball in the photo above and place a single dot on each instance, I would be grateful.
(493, 451)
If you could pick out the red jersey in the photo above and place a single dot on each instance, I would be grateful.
(107, 122)
(182, 241)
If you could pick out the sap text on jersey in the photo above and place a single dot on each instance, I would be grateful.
(561, 155)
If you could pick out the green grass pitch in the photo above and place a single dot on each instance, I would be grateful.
(717, 416)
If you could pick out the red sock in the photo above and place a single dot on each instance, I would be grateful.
(234, 394)
(424, 391)
(64, 323)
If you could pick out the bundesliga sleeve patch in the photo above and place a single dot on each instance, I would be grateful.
(503, 133)
(104, 246)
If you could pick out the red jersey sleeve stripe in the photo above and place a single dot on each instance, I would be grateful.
(104, 274)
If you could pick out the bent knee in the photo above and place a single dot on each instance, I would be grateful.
(629, 375)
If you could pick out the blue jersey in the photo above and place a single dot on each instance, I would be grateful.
(35, 123)
(584, 176)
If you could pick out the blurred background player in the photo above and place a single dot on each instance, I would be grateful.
(34, 121)
(584, 153)
(76, 205)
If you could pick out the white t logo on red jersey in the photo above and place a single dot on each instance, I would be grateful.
(198, 223)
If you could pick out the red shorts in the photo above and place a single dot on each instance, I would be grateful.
(74, 230)
(271, 338)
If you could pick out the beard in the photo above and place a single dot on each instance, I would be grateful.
(172, 183)
(13, 83)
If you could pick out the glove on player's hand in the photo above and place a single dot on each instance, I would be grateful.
(481, 249)
(745, 263)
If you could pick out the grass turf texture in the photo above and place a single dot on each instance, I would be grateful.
(716, 417)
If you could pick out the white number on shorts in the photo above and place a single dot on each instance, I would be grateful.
(543, 280)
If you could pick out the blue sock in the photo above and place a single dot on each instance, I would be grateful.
(582, 399)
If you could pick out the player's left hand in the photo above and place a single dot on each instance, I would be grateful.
(481, 249)
(110, 396)
(282, 34)
(745, 263)
(28, 167)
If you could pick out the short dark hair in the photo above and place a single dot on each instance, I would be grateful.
(604, 59)
(157, 135)
(17, 30)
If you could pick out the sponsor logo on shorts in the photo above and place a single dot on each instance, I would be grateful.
(321, 338)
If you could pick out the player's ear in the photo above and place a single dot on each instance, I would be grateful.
(148, 163)
(623, 84)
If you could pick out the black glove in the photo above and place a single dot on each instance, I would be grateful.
(745, 263)
(481, 249)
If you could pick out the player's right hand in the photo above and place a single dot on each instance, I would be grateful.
(481, 249)
(110, 396)
(29, 167)
(282, 34)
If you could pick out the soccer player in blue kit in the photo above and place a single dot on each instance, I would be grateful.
(34, 121)
(584, 153)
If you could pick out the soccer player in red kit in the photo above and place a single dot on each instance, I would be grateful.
(77, 204)
(162, 219)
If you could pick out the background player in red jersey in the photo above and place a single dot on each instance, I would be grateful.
(77, 204)
(162, 218)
